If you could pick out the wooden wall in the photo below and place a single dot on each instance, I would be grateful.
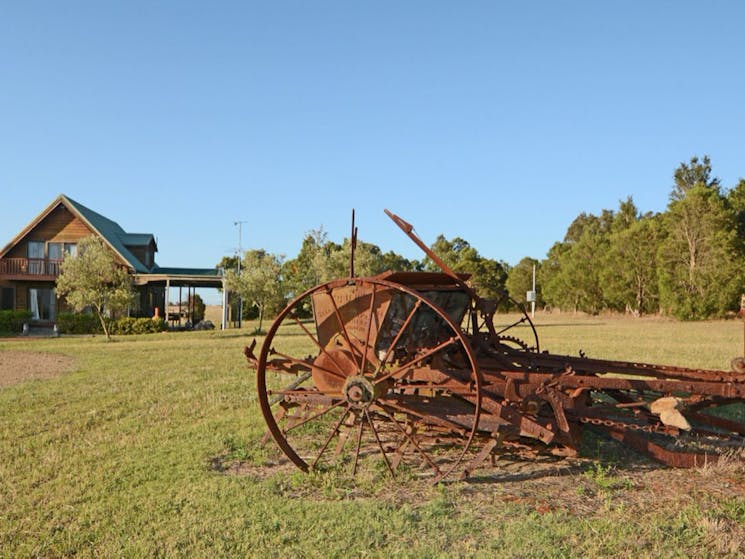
(59, 226)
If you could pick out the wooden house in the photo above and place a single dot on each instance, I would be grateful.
(30, 263)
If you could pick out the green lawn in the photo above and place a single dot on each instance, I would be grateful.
(150, 448)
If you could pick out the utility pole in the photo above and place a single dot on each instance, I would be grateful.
(238, 266)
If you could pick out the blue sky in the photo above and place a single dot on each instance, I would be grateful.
(498, 122)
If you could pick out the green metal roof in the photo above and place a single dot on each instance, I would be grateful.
(206, 272)
(137, 239)
(113, 234)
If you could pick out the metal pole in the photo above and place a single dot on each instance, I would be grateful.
(240, 256)
(224, 325)
(532, 304)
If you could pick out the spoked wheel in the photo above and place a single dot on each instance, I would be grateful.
(380, 377)
(511, 336)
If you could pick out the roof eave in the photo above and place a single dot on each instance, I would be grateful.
(33, 223)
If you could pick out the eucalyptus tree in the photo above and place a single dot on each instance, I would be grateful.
(259, 282)
(699, 260)
(487, 275)
(520, 280)
(93, 279)
(571, 275)
(629, 275)
(695, 173)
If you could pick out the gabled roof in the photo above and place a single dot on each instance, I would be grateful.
(111, 232)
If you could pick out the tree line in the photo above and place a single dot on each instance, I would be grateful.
(682, 262)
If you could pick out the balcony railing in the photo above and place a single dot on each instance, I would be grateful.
(30, 268)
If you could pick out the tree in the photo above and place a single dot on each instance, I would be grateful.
(228, 263)
(302, 272)
(93, 279)
(629, 274)
(333, 262)
(555, 289)
(687, 176)
(196, 304)
(487, 275)
(699, 258)
(520, 280)
(736, 202)
(259, 282)
(397, 263)
(571, 275)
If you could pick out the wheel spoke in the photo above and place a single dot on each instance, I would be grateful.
(380, 444)
(517, 323)
(433, 419)
(399, 334)
(411, 439)
(330, 437)
(340, 321)
(312, 417)
(370, 311)
(357, 447)
(323, 350)
(292, 386)
(308, 365)
(418, 358)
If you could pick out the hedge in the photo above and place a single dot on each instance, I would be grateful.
(129, 325)
(86, 323)
(73, 323)
(12, 321)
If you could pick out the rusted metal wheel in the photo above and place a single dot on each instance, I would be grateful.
(514, 334)
(363, 373)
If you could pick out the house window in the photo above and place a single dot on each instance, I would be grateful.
(35, 257)
(42, 303)
(8, 299)
(56, 252)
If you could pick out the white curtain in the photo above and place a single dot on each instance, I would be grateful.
(33, 295)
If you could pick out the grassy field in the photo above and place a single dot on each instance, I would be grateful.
(149, 447)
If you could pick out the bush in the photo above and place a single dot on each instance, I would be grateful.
(128, 325)
(78, 323)
(86, 323)
(12, 321)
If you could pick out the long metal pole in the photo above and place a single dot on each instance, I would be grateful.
(240, 256)
(532, 304)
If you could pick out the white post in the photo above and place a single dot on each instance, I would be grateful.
(224, 303)
(532, 311)
(240, 256)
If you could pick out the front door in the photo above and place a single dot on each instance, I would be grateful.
(42, 303)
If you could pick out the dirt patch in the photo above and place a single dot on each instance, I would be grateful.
(20, 366)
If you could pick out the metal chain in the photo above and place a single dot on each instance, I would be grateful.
(621, 425)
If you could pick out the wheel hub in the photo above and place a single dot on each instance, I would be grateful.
(359, 391)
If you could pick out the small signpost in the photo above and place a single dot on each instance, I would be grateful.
(530, 296)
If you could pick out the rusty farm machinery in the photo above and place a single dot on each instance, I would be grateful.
(407, 371)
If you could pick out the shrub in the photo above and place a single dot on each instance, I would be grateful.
(78, 323)
(128, 325)
(12, 321)
(86, 323)
(122, 326)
